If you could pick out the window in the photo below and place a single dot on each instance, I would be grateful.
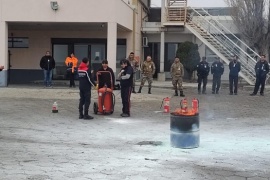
(18, 42)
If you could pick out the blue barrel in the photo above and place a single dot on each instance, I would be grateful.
(185, 131)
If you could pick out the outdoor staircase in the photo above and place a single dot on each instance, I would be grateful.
(215, 36)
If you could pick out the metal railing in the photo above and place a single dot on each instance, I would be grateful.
(176, 10)
(217, 35)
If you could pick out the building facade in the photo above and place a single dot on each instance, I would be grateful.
(110, 29)
(103, 29)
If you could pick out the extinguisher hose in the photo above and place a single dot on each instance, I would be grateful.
(113, 101)
(162, 103)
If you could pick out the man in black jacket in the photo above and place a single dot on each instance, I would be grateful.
(47, 63)
(202, 73)
(126, 82)
(261, 69)
(217, 70)
(85, 83)
(106, 77)
(235, 68)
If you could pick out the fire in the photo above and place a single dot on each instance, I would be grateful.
(188, 112)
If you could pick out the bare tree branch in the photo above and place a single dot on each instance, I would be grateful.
(249, 17)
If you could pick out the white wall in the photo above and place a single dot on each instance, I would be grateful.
(69, 11)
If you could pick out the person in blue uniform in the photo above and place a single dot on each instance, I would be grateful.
(261, 69)
(202, 73)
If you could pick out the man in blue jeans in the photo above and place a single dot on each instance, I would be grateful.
(47, 63)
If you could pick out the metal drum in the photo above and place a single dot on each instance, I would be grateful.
(185, 131)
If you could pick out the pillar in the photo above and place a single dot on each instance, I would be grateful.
(161, 74)
(112, 45)
(4, 53)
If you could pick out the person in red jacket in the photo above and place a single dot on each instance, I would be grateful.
(85, 83)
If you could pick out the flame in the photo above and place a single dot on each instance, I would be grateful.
(188, 112)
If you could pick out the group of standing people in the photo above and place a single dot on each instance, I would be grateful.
(47, 64)
(127, 77)
(217, 70)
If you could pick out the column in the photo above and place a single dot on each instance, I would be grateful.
(4, 53)
(161, 74)
(112, 45)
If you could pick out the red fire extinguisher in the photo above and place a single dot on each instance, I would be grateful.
(166, 105)
(184, 105)
(195, 105)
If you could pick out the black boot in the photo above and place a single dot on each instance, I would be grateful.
(140, 90)
(182, 94)
(86, 116)
(133, 90)
(176, 93)
(80, 112)
(81, 115)
(149, 91)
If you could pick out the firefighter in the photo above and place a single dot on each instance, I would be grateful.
(261, 69)
(235, 68)
(135, 65)
(177, 74)
(202, 73)
(217, 70)
(126, 80)
(85, 84)
(148, 70)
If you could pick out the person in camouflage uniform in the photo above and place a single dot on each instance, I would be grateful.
(135, 65)
(148, 70)
(177, 73)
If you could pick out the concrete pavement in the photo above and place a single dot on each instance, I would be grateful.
(36, 144)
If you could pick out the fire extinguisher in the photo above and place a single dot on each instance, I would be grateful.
(166, 105)
(55, 107)
(195, 105)
(184, 105)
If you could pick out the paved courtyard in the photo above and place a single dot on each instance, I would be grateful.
(36, 144)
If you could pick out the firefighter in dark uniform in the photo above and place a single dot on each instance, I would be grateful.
(106, 78)
(261, 69)
(217, 70)
(235, 68)
(85, 84)
(126, 83)
(202, 73)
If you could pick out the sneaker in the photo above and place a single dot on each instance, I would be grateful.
(80, 116)
(125, 115)
(87, 117)
(252, 94)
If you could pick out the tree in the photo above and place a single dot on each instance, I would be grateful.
(189, 56)
(251, 17)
